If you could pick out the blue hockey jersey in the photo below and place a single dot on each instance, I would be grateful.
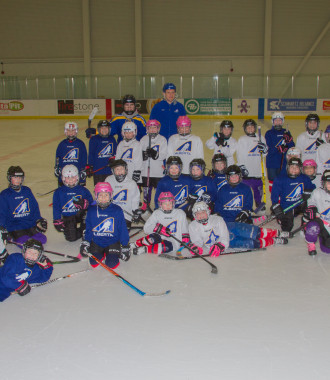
(101, 149)
(180, 189)
(204, 185)
(71, 152)
(274, 138)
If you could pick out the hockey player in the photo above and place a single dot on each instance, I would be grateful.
(102, 148)
(175, 183)
(184, 144)
(293, 152)
(317, 217)
(311, 139)
(278, 141)
(19, 210)
(154, 151)
(218, 172)
(130, 113)
(71, 151)
(130, 151)
(3, 251)
(249, 150)
(289, 189)
(322, 153)
(234, 200)
(167, 111)
(106, 235)
(223, 142)
(126, 193)
(22, 269)
(163, 222)
(310, 169)
(70, 203)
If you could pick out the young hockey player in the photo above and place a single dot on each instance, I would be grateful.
(322, 153)
(130, 151)
(278, 141)
(289, 189)
(311, 139)
(71, 151)
(19, 210)
(126, 193)
(167, 111)
(154, 151)
(22, 269)
(310, 169)
(3, 251)
(249, 150)
(163, 222)
(293, 152)
(234, 200)
(184, 144)
(175, 183)
(102, 148)
(223, 142)
(106, 235)
(70, 203)
(218, 172)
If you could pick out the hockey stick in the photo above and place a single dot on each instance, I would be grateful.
(92, 115)
(49, 192)
(143, 294)
(146, 205)
(262, 168)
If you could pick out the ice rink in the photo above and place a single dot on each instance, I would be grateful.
(265, 315)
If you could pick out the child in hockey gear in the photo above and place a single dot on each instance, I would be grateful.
(106, 235)
(317, 217)
(167, 111)
(19, 210)
(73, 151)
(310, 169)
(163, 222)
(129, 113)
(184, 144)
(289, 189)
(234, 200)
(322, 153)
(154, 151)
(223, 142)
(102, 149)
(278, 141)
(20, 269)
(293, 152)
(174, 182)
(218, 172)
(311, 139)
(126, 193)
(130, 151)
(70, 203)
(3, 251)
(249, 150)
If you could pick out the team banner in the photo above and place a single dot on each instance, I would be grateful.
(80, 107)
(291, 105)
(244, 107)
(205, 106)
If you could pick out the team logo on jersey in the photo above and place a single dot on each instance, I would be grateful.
(107, 151)
(120, 197)
(105, 227)
(221, 183)
(296, 192)
(23, 276)
(72, 154)
(212, 239)
(182, 195)
(311, 147)
(186, 147)
(279, 143)
(236, 202)
(326, 213)
(200, 191)
(254, 150)
(173, 226)
(327, 162)
(128, 154)
(23, 208)
(156, 148)
(70, 206)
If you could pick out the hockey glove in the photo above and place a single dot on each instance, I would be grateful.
(81, 203)
(144, 155)
(306, 194)
(287, 137)
(24, 289)
(262, 148)
(185, 238)
(243, 217)
(194, 249)
(136, 175)
(216, 249)
(276, 208)
(245, 172)
(310, 214)
(57, 171)
(59, 225)
(41, 225)
(4, 234)
(85, 248)
(153, 153)
(44, 262)
(192, 198)
(161, 230)
(125, 253)
(89, 171)
(90, 132)
(82, 175)
(4, 256)
(137, 215)
(220, 139)
(319, 142)
(282, 148)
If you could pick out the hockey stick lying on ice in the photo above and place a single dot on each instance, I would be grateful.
(143, 294)
(228, 251)
(49, 192)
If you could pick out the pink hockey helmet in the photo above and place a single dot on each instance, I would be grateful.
(309, 163)
(103, 187)
(153, 123)
(183, 121)
(166, 196)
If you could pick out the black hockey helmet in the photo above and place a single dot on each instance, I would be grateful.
(247, 123)
(114, 164)
(232, 170)
(197, 162)
(128, 99)
(219, 157)
(325, 178)
(312, 117)
(15, 171)
(174, 160)
(103, 123)
(294, 161)
(32, 244)
(226, 124)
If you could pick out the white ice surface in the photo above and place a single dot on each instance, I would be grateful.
(265, 315)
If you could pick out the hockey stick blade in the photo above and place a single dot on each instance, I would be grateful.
(228, 251)
(92, 115)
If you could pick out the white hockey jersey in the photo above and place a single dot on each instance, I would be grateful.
(307, 144)
(323, 158)
(248, 154)
(176, 221)
(227, 150)
(187, 148)
(159, 143)
(321, 199)
(215, 231)
(126, 194)
(130, 152)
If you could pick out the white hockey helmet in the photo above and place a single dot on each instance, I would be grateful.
(201, 206)
(294, 151)
(70, 125)
(70, 171)
(275, 116)
(128, 126)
